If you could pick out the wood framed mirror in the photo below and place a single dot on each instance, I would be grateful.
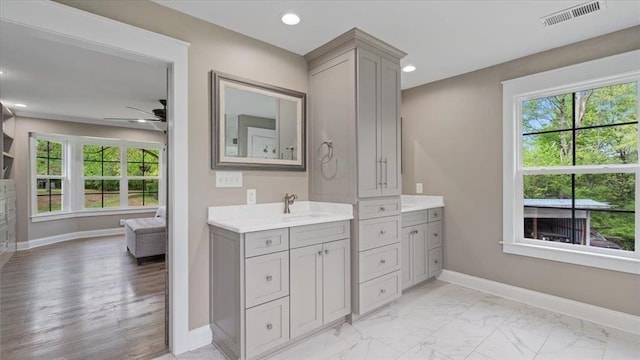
(256, 126)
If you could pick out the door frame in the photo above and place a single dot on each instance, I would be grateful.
(118, 38)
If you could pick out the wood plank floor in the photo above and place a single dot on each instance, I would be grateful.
(82, 299)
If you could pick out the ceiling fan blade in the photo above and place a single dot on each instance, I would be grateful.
(142, 111)
(134, 119)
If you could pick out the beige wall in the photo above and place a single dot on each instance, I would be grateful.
(213, 47)
(26, 230)
(452, 133)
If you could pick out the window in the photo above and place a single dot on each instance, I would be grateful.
(142, 170)
(101, 175)
(50, 176)
(571, 164)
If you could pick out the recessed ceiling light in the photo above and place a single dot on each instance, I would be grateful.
(1, 72)
(20, 105)
(409, 68)
(290, 19)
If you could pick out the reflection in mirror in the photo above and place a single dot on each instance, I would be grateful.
(259, 126)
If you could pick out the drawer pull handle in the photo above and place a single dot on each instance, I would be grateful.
(382, 208)
(269, 277)
(382, 291)
(269, 326)
(383, 261)
(268, 242)
(320, 253)
(382, 232)
(435, 214)
(414, 232)
(326, 251)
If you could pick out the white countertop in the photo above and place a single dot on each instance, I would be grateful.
(248, 218)
(421, 202)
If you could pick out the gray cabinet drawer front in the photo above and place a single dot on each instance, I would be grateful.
(434, 234)
(414, 218)
(267, 326)
(374, 233)
(435, 214)
(266, 242)
(318, 233)
(379, 291)
(266, 278)
(377, 262)
(435, 262)
(369, 209)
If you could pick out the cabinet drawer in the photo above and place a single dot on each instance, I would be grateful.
(435, 214)
(414, 218)
(434, 234)
(267, 326)
(378, 262)
(266, 278)
(435, 261)
(369, 209)
(319, 233)
(374, 233)
(377, 292)
(266, 242)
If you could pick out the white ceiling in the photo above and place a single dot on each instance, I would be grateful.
(65, 79)
(442, 38)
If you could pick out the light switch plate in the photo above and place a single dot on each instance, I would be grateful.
(228, 179)
(418, 188)
(251, 196)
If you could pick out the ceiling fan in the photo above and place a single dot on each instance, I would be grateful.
(156, 115)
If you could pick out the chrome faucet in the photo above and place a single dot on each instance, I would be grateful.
(288, 200)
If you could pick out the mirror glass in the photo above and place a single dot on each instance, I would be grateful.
(258, 126)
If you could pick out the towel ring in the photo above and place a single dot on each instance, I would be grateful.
(329, 155)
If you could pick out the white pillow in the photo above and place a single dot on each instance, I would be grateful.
(162, 212)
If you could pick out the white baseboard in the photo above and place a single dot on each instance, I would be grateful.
(200, 337)
(596, 314)
(26, 245)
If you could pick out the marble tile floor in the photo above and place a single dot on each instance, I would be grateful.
(442, 321)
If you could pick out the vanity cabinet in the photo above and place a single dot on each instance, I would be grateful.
(271, 286)
(354, 142)
(320, 285)
(421, 246)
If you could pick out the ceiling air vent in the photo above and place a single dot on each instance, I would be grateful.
(573, 12)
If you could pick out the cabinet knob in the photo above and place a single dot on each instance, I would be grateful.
(382, 208)
(435, 261)
(269, 326)
(383, 261)
(320, 253)
(382, 291)
(268, 242)
(435, 234)
(382, 232)
(269, 277)
(326, 251)
(435, 214)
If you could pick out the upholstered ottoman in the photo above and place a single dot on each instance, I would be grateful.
(146, 237)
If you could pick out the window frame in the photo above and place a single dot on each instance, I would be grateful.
(73, 197)
(65, 198)
(617, 69)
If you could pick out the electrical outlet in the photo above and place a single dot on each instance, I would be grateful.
(122, 222)
(251, 196)
(418, 188)
(228, 179)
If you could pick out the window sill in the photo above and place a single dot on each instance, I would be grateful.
(89, 213)
(602, 261)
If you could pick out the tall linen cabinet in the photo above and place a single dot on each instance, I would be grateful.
(354, 155)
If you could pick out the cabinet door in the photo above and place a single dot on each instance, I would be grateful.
(369, 153)
(405, 265)
(390, 127)
(336, 280)
(420, 265)
(306, 289)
